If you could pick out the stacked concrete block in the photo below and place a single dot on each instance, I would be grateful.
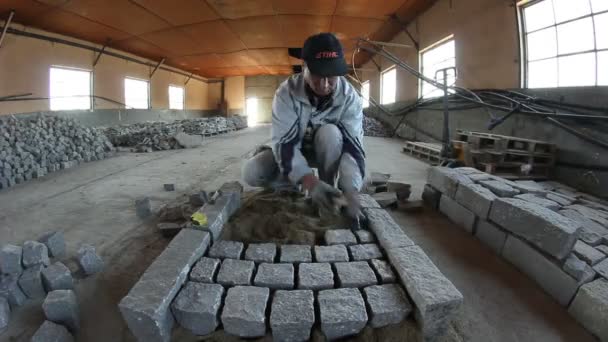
(547, 203)
(342, 312)
(226, 250)
(367, 201)
(292, 315)
(388, 233)
(383, 271)
(388, 304)
(500, 188)
(55, 243)
(5, 314)
(491, 235)
(335, 253)
(244, 313)
(602, 248)
(295, 253)
(219, 212)
(435, 297)
(31, 282)
(560, 199)
(261, 252)
(275, 276)
(431, 196)
(578, 269)
(446, 180)
(476, 198)
(546, 229)
(61, 307)
(587, 253)
(598, 216)
(204, 270)
(57, 277)
(10, 259)
(197, 307)
(146, 307)
(315, 276)
(590, 308)
(365, 236)
(365, 252)
(602, 268)
(50, 331)
(355, 274)
(235, 272)
(546, 273)
(591, 232)
(340, 237)
(457, 213)
(10, 289)
(35, 253)
(88, 259)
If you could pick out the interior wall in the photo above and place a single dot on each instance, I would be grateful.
(234, 92)
(25, 63)
(263, 88)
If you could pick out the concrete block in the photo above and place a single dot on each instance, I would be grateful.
(602, 248)
(500, 188)
(57, 277)
(143, 207)
(226, 249)
(435, 297)
(385, 199)
(560, 199)
(446, 180)
(340, 237)
(431, 196)
(196, 307)
(378, 178)
(54, 332)
(476, 198)
(602, 268)
(261, 252)
(61, 307)
(478, 177)
(547, 203)
(457, 213)
(244, 313)
(543, 271)
(365, 236)
(365, 252)
(295, 253)
(88, 259)
(383, 271)
(355, 274)
(55, 243)
(342, 312)
(388, 304)
(598, 216)
(35, 253)
(367, 201)
(10, 259)
(275, 276)
(546, 229)
(5, 314)
(219, 212)
(169, 187)
(292, 315)
(169, 229)
(9, 289)
(204, 270)
(335, 253)
(402, 190)
(315, 276)
(591, 232)
(491, 236)
(587, 253)
(578, 269)
(590, 307)
(31, 282)
(146, 307)
(387, 231)
(235, 272)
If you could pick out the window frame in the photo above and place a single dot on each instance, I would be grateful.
(183, 96)
(365, 103)
(91, 85)
(433, 46)
(382, 73)
(523, 38)
(149, 92)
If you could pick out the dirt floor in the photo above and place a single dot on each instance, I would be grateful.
(94, 203)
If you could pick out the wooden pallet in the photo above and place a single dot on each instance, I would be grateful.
(503, 143)
(516, 170)
(425, 151)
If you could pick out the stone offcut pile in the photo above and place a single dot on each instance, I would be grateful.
(374, 128)
(34, 146)
(156, 136)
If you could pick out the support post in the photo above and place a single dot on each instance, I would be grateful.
(188, 79)
(103, 48)
(157, 66)
(6, 25)
(404, 27)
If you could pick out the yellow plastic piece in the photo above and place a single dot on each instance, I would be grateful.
(199, 218)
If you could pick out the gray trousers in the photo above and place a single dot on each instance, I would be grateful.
(262, 170)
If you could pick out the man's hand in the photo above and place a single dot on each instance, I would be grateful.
(322, 194)
(353, 206)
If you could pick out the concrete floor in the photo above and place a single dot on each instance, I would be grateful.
(94, 203)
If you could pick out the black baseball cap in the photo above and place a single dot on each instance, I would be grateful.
(324, 55)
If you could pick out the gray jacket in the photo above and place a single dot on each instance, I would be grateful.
(292, 112)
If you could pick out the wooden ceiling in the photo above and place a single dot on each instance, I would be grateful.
(217, 38)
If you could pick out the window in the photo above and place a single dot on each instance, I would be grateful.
(70, 89)
(252, 111)
(565, 43)
(388, 86)
(365, 93)
(438, 56)
(176, 97)
(137, 93)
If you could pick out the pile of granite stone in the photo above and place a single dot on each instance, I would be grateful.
(31, 147)
(26, 272)
(374, 128)
(160, 135)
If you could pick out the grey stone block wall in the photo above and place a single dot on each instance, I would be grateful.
(388, 304)
(457, 213)
(476, 198)
(590, 308)
(491, 235)
(292, 315)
